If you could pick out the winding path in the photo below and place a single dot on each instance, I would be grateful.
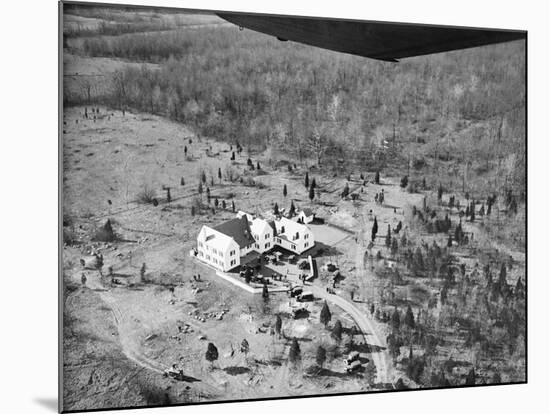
(366, 327)
(130, 348)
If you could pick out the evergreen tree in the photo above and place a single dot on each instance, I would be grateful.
(388, 237)
(182, 181)
(224, 204)
(377, 177)
(185, 150)
(168, 195)
(278, 325)
(294, 352)
(258, 165)
(276, 209)
(440, 192)
(311, 192)
(394, 246)
(314, 183)
(306, 181)
(395, 320)
(211, 353)
(233, 156)
(284, 191)
(409, 318)
(220, 174)
(233, 206)
(200, 188)
(374, 230)
(345, 192)
(292, 210)
(404, 181)
(337, 331)
(320, 356)
(471, 377)
(325, 314)
(216, 202)
(265, 293)
(193, 210)
(203, 177)
(142, 272)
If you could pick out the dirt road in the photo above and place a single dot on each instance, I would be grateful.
(129, 347)
(366, 327)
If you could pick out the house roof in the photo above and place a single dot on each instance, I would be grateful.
(272, 225)
(307, 211)
(238, 229)
(216, 238)
(258, 225)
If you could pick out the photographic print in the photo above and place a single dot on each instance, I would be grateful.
(259, 206)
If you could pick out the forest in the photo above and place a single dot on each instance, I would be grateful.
(455, 119)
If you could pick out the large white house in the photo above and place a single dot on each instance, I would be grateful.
(223, 246)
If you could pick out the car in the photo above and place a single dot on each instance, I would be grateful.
(175, 373)
(303, 265)
(305, 297)
(296, 291)
(354, 367)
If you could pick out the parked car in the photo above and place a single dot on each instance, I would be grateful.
(354, 366)
(303, 265)
(305, 297)
(296, 291)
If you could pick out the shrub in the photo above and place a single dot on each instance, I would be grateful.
(146, 195)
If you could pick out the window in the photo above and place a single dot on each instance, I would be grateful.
(257, 246)
(207, 257)
(278, 240)
(306, 244)
(297, 235)
(306, 236)
(232, 253)
(266, 236)
(232, 262)
(267, 245)
(293, 247)
(282, 229)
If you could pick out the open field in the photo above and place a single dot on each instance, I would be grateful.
(156, 145)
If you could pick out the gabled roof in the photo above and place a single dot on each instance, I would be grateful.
(272, 225)
(258, 225)
(308, 212)
(215, 238)
(238, 229)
